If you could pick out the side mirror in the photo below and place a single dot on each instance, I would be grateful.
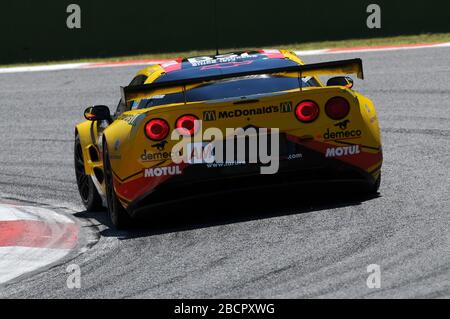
(97, 113)
(341, 81)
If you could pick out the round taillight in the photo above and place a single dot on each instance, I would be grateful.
(307, 111)
(337, 108)
(156, 129)
(187, 125)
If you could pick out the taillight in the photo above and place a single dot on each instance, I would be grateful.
(156, 129)
(307, 111)
(187, 125)
(337, 108)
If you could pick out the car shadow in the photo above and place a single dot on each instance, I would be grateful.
(232, 208)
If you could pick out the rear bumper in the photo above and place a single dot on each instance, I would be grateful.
(328, 174)
(300, 162)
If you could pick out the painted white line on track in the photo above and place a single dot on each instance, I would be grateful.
(373, 49)
(311, 52)
(16, 261)
(39, 68)
(93, 65)
(14, 212)
(8, 212)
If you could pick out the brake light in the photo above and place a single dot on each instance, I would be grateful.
(156, 129)
(307, 111)
(187, 125)
(337, 108)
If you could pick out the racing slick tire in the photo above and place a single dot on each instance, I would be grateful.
(88, 192)
(117, 214)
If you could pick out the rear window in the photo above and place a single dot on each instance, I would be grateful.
(229, 88)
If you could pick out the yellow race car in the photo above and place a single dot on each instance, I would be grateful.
(160, 145)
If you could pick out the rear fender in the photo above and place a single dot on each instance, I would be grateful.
(86, 132)
(93, 161)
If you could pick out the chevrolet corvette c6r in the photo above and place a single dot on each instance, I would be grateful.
(327, 133)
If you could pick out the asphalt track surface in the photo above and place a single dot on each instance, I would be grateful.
(278, 244)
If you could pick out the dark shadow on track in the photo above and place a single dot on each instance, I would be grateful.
(235, 208)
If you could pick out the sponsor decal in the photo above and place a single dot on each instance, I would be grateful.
(345, 133)
(150, 157)
(342, 151)
(225, 65)
(284, 107)
(162, 171)
(209, 116)
(247, 112)
(134, 119)
(160, 146)
(295, 156)
(338, 135)
(224, 58)
(225, 164)
(342, 125)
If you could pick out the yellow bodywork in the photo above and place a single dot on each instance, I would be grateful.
(127, 142)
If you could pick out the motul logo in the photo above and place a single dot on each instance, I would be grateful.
(162, 171)
(342, 151)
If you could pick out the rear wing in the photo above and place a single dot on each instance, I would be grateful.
(352, 66)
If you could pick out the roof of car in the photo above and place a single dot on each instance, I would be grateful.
(222, 64)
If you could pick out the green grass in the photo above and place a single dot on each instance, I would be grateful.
(413, 39)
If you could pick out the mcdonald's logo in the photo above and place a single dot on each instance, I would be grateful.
(209, 115)
(286, 107)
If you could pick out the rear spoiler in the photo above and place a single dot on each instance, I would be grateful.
(352, 66)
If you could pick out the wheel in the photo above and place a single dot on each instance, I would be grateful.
(88, 192)
(118, 215)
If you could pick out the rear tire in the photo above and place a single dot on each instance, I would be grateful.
(118, 215)
(88, 192)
